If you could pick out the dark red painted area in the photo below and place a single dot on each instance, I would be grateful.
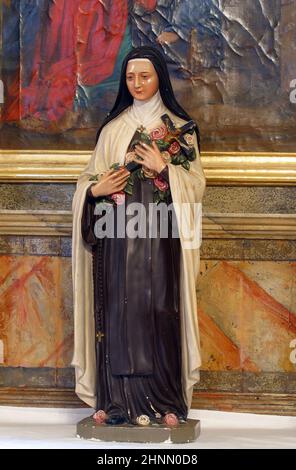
(78, 43)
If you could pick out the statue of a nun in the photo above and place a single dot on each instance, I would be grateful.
(137, 348)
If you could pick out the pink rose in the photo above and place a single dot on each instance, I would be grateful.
(159, 133)
(119, 197)
(161, 184)
(166, 156)
(130, 156)
(170, 419)
(100, 416)
(174, 148)
(189, 140)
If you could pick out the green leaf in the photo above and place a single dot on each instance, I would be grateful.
(162, 145)
(94, 178)
(145, 138)
(192, 155)
(156, 197)
(130, 180)
(115, 166)
(128, 189)
(161, 195)
(177, 159)
(181, 158)
(186, 165)
(141, 175)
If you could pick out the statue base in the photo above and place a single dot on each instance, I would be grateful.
(87, 428)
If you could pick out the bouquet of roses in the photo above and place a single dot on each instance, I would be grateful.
(176, 146)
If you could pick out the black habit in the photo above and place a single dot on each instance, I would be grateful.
(136, 299)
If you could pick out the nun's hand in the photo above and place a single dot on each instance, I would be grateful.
(112, 181)
(151, 156)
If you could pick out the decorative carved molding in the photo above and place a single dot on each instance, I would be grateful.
(261, 403)
(36, 223)
(231, 168)
(214, 225)
(264, 226)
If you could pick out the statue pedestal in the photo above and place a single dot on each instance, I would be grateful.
(154, 433)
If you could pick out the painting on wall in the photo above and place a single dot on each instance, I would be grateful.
(246, 312)
(231, 65)
(247, 316)
(36, 320)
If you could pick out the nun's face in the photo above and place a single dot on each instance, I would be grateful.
(141, 79)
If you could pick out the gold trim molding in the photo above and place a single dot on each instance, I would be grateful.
(239, 168)
(214, 225)
(42, 166)
(221, 168)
